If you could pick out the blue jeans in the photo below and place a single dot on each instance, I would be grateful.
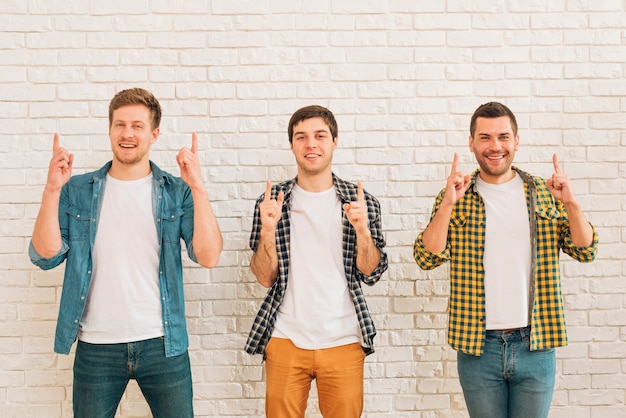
(508, 380)
(102, 372)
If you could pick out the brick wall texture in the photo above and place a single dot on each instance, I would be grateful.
(402, 78)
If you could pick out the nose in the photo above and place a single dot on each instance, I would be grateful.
(310, 141)
(495, 145)
(128, 132)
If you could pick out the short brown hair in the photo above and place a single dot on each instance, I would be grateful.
(136, 96)
(313, 111)
(492, 110)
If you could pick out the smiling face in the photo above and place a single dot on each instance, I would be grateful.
(494, 144)
(313, 144)
(131, 136)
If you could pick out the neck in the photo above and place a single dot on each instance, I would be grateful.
(316, 183)
(121, 171)
(503, 178)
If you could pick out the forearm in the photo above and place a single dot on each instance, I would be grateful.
(435, 235)
(581, 231)
(368, 255)
(264, 262)
(207, 237)
(46, 238)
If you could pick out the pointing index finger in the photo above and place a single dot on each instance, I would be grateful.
(194, 143)
(268, 191)
(55, 143)
(455, 163)
(555, 161)
(360, 195)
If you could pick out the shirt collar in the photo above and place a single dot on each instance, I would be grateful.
(341, 189)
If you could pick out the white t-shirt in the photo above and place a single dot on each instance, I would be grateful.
(507, 258)
(317, 310)
(123, 304)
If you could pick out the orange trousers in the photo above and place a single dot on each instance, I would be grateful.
(338, 373)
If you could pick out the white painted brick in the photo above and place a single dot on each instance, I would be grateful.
(558, 21)
(482, 6)
(417, 7)
(610, 5)
(605, 20)
(362, 7)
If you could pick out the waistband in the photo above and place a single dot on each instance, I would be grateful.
(500, 333)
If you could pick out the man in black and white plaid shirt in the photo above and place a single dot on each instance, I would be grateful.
(315, 239)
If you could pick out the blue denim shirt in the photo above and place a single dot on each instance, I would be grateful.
(79, 213)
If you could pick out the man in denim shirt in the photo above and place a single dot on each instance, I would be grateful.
(122, 294)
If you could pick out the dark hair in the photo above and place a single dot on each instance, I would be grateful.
(313, 111)
(136, 96)
(492, 110)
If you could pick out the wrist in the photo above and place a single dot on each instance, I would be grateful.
(52, 190)
(572, 206)
(268, 231)
(198, 191)
(446, 208)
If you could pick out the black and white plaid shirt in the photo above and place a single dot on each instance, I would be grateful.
(264, 322)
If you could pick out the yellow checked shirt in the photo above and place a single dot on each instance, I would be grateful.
(550, 233)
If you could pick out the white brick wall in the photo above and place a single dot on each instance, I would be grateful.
(403, 78)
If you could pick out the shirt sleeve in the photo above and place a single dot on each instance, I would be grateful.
(424, 258)
(255, 233)
(47, 263)
(187, 222)
(52, 262)
(581, 254)
(379, 241)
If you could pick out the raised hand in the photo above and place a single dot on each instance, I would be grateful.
(189, 164)
(60, 169)
(271, 209)
(456, 185)
(356, 211)
(559, 185)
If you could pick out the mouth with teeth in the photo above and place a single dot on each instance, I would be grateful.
(127, 146)
(311, 156)
(495, 157)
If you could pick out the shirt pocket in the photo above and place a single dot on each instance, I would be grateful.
(79, 222)
(547, 213)
(171, 224)
(547, 220)
(457, 221)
